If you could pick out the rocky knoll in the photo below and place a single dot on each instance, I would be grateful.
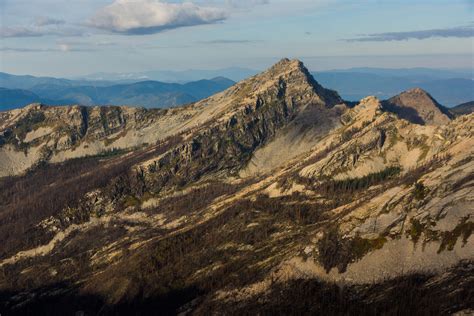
(270, 197)
(417, 106)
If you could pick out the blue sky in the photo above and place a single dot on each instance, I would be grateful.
(78, 37)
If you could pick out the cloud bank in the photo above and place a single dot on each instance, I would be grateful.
(45, 21)
(459, 32)
(64, 48)
(19, 31)
(139, 17)
(22, 31)
(42, 26)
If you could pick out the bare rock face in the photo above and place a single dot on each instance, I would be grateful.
(418, 107)
(269, 196)
(39, 133)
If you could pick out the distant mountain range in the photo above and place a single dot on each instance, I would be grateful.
(354, 84)
(144, 93)
(171, 88)
(414, 73)
(234, 73)
(238, 74)
(16, 98)
(27, 82)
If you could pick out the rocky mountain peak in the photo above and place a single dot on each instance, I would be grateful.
(294, 76)
(418, 106)
(418, 95)
(284, 69)
(286, 64)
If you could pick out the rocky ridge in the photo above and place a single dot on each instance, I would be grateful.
(40, 133)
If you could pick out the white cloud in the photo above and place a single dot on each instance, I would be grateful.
(153, 16)
(459, 32)
(41, 26)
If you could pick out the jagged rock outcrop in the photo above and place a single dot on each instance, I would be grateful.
(39, 133)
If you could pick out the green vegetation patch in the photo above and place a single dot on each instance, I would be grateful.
(131, 201)
(420, 191)
(28, 123)
(416, 230)
(25, 125)
(449, 239)
(362, 246)
(110, 141)
(335, 251)
(355, 184)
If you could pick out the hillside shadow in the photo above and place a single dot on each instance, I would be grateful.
(406, 113)
(60, 300)
(413, 294)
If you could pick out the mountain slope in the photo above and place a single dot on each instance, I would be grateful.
(144, 93)
(367, 209)
(462, 109)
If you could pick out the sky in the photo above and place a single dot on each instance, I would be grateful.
(68, 38)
